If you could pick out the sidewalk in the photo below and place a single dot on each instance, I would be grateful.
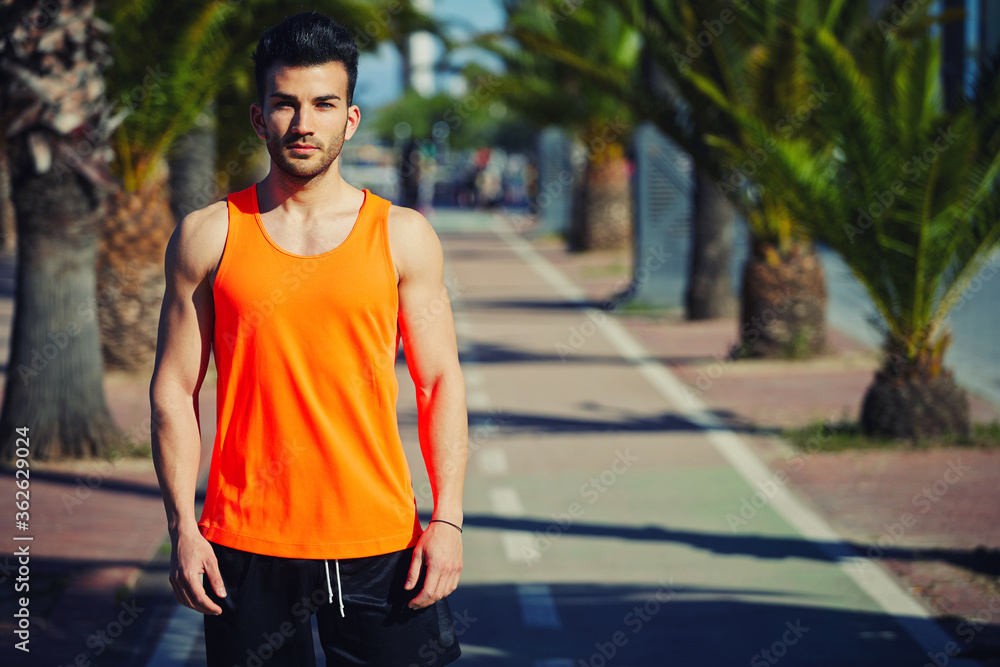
(597, 501)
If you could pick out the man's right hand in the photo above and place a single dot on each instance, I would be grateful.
(192, 556)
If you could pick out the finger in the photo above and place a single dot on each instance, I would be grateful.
(180, 593)
(448, 584)
(414, 574)
(214, 576)
(197, 593)
(432, 582)
(186, 599)
(177, 593)
(451, 586)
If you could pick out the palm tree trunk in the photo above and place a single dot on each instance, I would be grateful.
(55, 375)
(605, 220)
(8, 220)
(133, 239)
(783, 304)
(710, 292)
(914, 407)
(192, 168)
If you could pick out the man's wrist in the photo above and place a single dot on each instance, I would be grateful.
(452, 515)
(183, 529)
(447, 523)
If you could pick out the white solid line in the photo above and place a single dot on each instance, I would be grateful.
(492, 461)
(178, 638)
(538, 609)
(871, 578)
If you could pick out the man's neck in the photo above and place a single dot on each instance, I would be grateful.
(301, 197)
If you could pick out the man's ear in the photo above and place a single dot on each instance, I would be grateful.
(353, 120)
(257, 120)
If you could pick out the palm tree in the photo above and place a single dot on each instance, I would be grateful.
(721, 56)
(548, 91)
(168, 79)
(714, 54)
(56, 117)
(909, 196)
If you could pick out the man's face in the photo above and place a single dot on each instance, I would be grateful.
(306, 118)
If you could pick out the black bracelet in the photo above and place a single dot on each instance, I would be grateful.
(447, 522)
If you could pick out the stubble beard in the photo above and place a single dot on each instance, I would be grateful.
(310, 166)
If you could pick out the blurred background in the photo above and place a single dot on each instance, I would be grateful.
(724, 276)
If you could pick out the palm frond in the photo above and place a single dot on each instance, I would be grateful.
(910, 198)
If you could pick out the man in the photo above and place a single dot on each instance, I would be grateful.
(302, 286)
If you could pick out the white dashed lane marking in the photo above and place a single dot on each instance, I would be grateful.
(492, 461)
(517, 546)
(537, 606)
(177, 641)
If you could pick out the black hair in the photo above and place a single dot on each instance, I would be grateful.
(303, 40)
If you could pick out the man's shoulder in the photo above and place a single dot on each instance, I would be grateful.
(412, 238)
(205, 219)
(401, 215)
(201, 237)
(408, 224)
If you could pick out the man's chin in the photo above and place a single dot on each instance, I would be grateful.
(298, 169)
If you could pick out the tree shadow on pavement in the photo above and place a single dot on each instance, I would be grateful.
(532, 304)
(664, 422)
(668, 624)
(757, 546)
(491, 353)
(74, 480)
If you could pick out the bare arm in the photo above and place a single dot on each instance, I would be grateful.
(183, 344)
(428, 333)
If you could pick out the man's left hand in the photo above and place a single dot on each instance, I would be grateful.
(440, 548)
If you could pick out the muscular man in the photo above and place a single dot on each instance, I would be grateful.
(302, 286)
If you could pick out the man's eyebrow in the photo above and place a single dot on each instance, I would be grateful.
(318, 98)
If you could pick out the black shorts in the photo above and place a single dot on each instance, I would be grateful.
(269, 601)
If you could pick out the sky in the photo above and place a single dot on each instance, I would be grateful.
(379, 74)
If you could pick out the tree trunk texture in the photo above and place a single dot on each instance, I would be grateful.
(55, 375)
(915, 407)
(578, 161)
(710, 292)
(130, 275)
(605, 220)
(409, 174)
(192, 167)
(8, 219)
(783, 313)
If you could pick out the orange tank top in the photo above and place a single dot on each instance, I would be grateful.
(308, 461)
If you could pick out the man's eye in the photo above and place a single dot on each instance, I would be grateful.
(325, 104)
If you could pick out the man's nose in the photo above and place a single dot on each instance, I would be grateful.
(302, 122)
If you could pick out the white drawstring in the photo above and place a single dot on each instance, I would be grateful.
(340, 595)
(329, 588)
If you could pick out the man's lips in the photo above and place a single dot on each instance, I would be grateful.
(302, 148)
